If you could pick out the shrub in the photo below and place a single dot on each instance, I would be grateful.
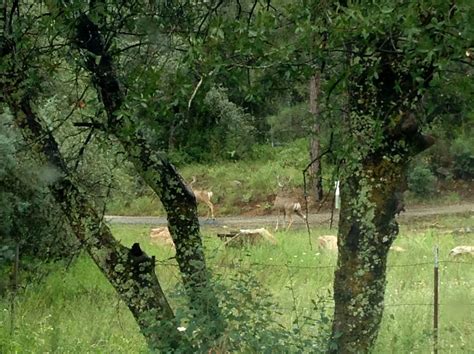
(234, 134)
(463, 158)
(421, 180)
(248, 311)
(28, 216)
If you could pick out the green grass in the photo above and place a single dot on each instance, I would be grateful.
(76, 310)
(249, 186)
(243, 186)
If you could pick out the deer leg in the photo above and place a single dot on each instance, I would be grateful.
(278, 219)
(290, 217)
(207, 215)
(211, 208)
(284, 218)
(301, 215)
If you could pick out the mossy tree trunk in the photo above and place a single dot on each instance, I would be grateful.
(366, 231)
(177, 199)
(372, 196)
(383, 131)
(129, 270)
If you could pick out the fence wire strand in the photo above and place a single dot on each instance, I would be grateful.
(272, 265)
(290, 267)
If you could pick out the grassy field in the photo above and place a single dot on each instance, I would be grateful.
(75, 309)
(249, 186)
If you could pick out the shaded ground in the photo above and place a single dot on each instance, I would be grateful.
(314, 219)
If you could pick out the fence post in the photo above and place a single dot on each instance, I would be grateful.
(435, 300)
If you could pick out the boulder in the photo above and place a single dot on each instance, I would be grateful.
(161, 236)
(328, 242)
(252, 237)
(460, 250)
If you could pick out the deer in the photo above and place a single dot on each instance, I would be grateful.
(287, 206)
(203, 196)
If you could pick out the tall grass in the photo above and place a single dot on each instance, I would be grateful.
(76, 310)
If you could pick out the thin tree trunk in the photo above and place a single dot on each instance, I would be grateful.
(315, 171)
(177, 199)
(130, 271)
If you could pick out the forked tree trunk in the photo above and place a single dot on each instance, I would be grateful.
(315, 171)
(177, 199)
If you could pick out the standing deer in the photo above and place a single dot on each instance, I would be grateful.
(203, 196)
(288, 206)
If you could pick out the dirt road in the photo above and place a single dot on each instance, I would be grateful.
(259, 221)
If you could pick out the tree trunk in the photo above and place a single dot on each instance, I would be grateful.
(372, 195)
(130, 271)
(177, 199)
(381, 135)
(315, 171)
(367, 228)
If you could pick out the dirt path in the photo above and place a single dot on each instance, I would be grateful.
(259, 221)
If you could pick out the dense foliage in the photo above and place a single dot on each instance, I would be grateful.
(28, 215)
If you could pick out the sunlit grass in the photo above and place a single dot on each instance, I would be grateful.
(76, 310)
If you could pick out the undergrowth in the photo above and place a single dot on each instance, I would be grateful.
(275, 298)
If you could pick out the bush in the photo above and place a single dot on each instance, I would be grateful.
(463, 158)
(234, 134)
(28, 215)
(248, 310)
(421, 181)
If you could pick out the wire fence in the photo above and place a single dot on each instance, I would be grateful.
(291, 266)
(424, 279)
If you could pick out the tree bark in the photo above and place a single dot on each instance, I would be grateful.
(315, 171)
(372, 195)
(367, 228)
(177, 199)
(130, 271)
(382, 134)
